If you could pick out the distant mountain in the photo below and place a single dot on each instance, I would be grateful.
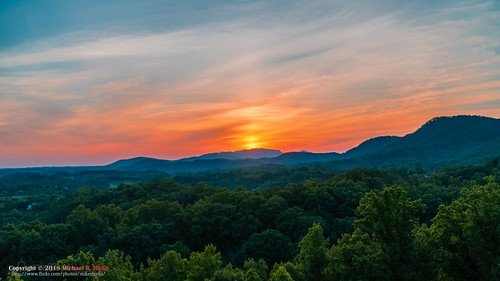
(255, 153)
(303, 157)
(199, 164)
(128, 162)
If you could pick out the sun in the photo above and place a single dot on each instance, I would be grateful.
(252, 142)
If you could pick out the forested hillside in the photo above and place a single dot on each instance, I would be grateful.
(442, 142)
(362, 224)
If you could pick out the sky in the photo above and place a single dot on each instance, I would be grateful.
(90, 82)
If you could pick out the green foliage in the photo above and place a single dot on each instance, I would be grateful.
(171, 266)
(229, 273)
(178, 247)
(466, 235)
(357, 257)
(311, 259)
(86, 225)
(11, 277)
(203, 265)
(252, 275)
(255, 270)
(110, 214)
(280, 273)
(154, 211)
(270, 245)
(390, 219)
(383, 245)
(120, 266)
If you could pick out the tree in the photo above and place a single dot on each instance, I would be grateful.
(357, 257)
(390, 219)
(229, 273)
(171, 266)
(80, 259)
(111, 215)
(255, 270)
(311, 259)
(279, 273)
(120, 267)
(85, 225)
(466, 235)
(295, 221)
(267, 212)
(204, 265)
(270, 245)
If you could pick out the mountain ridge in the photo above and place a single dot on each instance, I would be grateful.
(254, 153)
(453, 138)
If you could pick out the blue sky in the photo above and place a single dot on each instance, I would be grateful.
(89, 82)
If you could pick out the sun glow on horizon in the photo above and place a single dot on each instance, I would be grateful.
(252, 142)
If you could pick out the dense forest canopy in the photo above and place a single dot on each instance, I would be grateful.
(362, 224)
